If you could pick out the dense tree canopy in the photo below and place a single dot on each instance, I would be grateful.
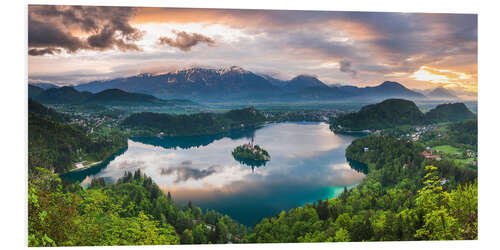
(398, 112)
(148, 123)
(450, 112)
(133, 211)
(387, 114)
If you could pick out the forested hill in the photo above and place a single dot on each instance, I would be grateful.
(53, 144)
(36, 108)
(397, 112)
(450, 112)
(69, 95)
(34, 91)
(120, 97)
(387, 114)
(147, 123)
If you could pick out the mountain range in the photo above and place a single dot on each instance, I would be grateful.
(44, 85)
(440, 93)
(69, 95)
(234, 83)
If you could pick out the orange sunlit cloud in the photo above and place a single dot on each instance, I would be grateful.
(445, 77)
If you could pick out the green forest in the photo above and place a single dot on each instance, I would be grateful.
(147, 123)
(392, 113)
(132, 211)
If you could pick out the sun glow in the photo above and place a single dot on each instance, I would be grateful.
(446, 78)
(429, 75)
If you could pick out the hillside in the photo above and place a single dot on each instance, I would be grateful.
(397, 112)
(450, 112)
(43, 85)
(387, 114)
(195, 124)
(120, 97)
(304, 81)
(441, 93)
(464, 133)
(62, 95)
(34, 91)
(69, 95)
(36, 108)
(389, 89)
(132, 211)
(55, 145)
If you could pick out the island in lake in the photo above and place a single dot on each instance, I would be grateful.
(251, 154)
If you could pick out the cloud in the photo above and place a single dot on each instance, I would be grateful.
(185, 171)
(185, 41)
(52, 29)
(345, 66)
(46, 51)
(131, 165)
(46, 35)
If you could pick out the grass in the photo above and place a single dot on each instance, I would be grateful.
(451, 151)
(447, 149)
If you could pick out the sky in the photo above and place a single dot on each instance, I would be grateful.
(76, 44)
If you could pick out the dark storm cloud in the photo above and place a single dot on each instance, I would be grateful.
(346, 66)
(185, 41)
(185, 171)
(102, 28)
(47, 35)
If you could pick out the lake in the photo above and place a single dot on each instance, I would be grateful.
(307, 163)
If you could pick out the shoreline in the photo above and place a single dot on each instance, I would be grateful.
(93, 164)
(84, 166)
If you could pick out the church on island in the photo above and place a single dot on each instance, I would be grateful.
(251, 151)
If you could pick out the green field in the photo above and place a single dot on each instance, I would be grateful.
(451, 151)
(447, 149)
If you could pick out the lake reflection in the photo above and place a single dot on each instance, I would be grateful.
(307, 163)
